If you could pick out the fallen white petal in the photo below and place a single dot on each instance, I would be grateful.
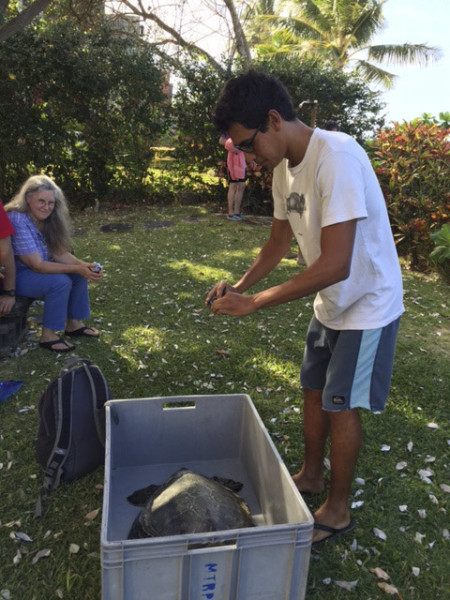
(433, 498)
(380, 573)
(416, 571)
(385, 448)
(347, 585)
(91, 515)
(17, 558)
(426, 473)
(419, 537)
(360, 481)
(326, 581)
(357, 503)
(401, 465)
(19, 535)
(445, 488)
(445, 534)
(410, 446)
(388, 588)
(74, 549)
(41, 554)
(422, 513)
(380, 534)
(430, 459)
(433, 425)
(403, 507)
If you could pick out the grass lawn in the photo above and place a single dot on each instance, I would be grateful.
(158, 339)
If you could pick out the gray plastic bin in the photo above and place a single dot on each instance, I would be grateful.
(148, 439)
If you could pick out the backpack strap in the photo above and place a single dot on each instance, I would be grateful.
(99, 394)
(58, 455)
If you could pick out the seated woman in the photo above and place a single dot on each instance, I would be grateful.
(45, 266)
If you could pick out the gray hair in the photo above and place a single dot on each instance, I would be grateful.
(56, 229)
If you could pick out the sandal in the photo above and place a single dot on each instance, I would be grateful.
(49, 345)
(332, 531)
(82, 332)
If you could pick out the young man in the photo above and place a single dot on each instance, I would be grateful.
(325, 192)
(7, 265)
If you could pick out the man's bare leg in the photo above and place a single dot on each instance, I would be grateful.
(316, 425)
(345, 444)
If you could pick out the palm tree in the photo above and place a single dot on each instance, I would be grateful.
(340, 31)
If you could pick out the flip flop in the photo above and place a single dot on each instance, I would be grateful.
(332, 531)
(80, 332)
(49, 345)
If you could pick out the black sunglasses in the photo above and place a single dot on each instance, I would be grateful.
(248, 145)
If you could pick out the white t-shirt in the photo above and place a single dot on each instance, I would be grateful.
(335, 183)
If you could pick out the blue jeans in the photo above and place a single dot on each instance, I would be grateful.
(65, 296)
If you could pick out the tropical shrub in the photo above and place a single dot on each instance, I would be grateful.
(441, 254)
(412, 163)
(85, 106)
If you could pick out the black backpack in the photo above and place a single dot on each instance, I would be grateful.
(71, 434)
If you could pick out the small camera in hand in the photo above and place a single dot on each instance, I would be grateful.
(96, 267)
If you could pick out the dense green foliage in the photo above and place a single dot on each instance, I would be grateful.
(412, 162)
(85, 106)
(441, 253)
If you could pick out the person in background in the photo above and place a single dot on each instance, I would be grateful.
(45, 266)
(236, 168)
(7, 265)
(325, 192)
(331, 126)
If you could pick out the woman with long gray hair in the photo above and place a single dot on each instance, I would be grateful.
(45, 265)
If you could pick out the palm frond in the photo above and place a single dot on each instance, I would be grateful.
(373, 74)
(299, 26)
(403, 54)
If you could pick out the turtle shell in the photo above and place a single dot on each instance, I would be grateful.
(189, 502)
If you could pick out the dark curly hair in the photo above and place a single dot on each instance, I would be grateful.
(247, 99)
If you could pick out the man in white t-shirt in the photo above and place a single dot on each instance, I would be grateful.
(325, 193)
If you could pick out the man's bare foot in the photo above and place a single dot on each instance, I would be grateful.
(334, 522)
(308, 486)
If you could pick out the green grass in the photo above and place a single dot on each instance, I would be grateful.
(158, 339)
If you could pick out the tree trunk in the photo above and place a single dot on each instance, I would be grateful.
(241, 41)
(22, 19)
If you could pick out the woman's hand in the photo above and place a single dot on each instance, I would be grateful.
(85, 270)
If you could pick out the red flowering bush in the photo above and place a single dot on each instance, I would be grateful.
(412, 164)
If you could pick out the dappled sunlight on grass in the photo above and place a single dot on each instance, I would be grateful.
(199, 271)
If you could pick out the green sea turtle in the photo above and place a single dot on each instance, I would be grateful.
(189, 502)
